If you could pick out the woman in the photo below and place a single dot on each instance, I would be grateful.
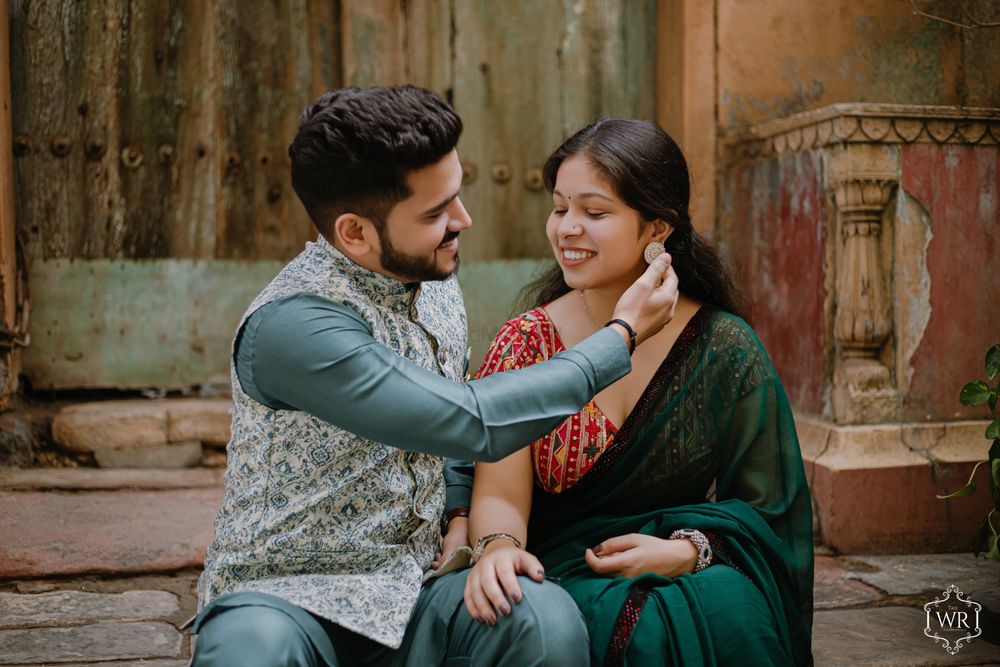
(622, 511)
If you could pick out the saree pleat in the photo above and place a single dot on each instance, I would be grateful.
(715, 412)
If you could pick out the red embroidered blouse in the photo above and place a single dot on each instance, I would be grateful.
(564, 456)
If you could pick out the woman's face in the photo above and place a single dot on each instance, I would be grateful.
(594, 234)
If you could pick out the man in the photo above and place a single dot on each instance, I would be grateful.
(346, 390)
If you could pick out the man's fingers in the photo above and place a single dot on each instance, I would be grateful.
(656, 272)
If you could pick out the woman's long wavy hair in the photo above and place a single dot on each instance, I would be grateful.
(647, 170)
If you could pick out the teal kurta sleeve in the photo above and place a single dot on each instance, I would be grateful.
(309, 353)
(458, 475)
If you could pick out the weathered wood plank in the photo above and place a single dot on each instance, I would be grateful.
(194, 168)
(47, 47)
(507, 90)
(268, 80)
(325, 46)
(429, 54)
(373, 33)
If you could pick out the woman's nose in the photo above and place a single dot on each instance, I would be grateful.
(569, 226)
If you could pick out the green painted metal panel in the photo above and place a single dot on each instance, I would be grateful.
(139, 323)
(490, 288)
(168, 324)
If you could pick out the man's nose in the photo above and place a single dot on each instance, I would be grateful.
(460, 219)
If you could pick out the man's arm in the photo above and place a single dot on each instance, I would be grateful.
(309, 353)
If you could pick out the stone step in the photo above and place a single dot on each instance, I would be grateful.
(97, 641)
(144, 433)
(96, 479)
(887, 637)
(62, 608)
(48, 534)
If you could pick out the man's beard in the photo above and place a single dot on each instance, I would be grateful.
(414, 268)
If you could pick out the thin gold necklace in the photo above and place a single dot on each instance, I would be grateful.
(586, 309)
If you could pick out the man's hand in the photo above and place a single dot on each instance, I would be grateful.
(650, 302)
(456, 538)
(635, 554)
(494, 578)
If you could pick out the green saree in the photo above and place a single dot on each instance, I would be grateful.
(715, 412)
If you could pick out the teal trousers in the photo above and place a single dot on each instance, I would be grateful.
(250, 629)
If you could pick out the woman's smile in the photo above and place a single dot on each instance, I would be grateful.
(575, 256)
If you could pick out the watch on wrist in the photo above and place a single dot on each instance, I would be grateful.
(700, 541)
(454, 514)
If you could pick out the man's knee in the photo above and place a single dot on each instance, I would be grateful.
(548, 619)
(250, 636)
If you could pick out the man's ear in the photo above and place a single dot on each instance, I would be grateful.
(353, 234)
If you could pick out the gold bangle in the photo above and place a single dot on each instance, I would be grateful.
(477, 553)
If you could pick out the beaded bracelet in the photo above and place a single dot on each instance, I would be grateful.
(481, 545)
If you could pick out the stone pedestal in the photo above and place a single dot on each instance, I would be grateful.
(868, 236)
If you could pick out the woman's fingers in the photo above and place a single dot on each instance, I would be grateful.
(607, 565)
(494, 593)
(616, 544)
(476, 600)
(508, 580)
(531, 566)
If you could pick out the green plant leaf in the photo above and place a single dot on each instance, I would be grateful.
(995, 472)
(993, 553)
(993, 362)
(964, 492)
(979, 543)
(993, 403)
(970, 486)
(975, 393)
(993, 430)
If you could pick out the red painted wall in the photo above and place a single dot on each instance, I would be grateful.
(773, 222)
(959, 187)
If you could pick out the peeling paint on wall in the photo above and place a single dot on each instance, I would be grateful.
(911, 293)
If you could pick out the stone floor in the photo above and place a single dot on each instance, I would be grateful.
(98, 567)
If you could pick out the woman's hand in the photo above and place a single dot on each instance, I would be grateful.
(635, 554)
(494, 578)
(456, 538)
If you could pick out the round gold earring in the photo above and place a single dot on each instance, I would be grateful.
(652, 251)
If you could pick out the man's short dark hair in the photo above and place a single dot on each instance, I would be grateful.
(355, 147)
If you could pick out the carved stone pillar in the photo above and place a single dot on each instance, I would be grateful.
(861, 180)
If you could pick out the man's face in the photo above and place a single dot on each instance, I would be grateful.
(420, 236)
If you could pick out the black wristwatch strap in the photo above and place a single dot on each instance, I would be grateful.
(631, 333)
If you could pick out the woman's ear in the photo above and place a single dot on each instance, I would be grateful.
(661, 230)
(350, 234)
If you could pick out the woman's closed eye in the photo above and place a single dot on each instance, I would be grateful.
(596, 215)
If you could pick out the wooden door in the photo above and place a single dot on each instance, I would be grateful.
(151, 168)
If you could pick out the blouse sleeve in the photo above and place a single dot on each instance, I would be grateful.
(515, 346)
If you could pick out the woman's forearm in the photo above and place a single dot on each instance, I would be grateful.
(501, 497)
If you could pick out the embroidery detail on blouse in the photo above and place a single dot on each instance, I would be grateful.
(566, 454)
